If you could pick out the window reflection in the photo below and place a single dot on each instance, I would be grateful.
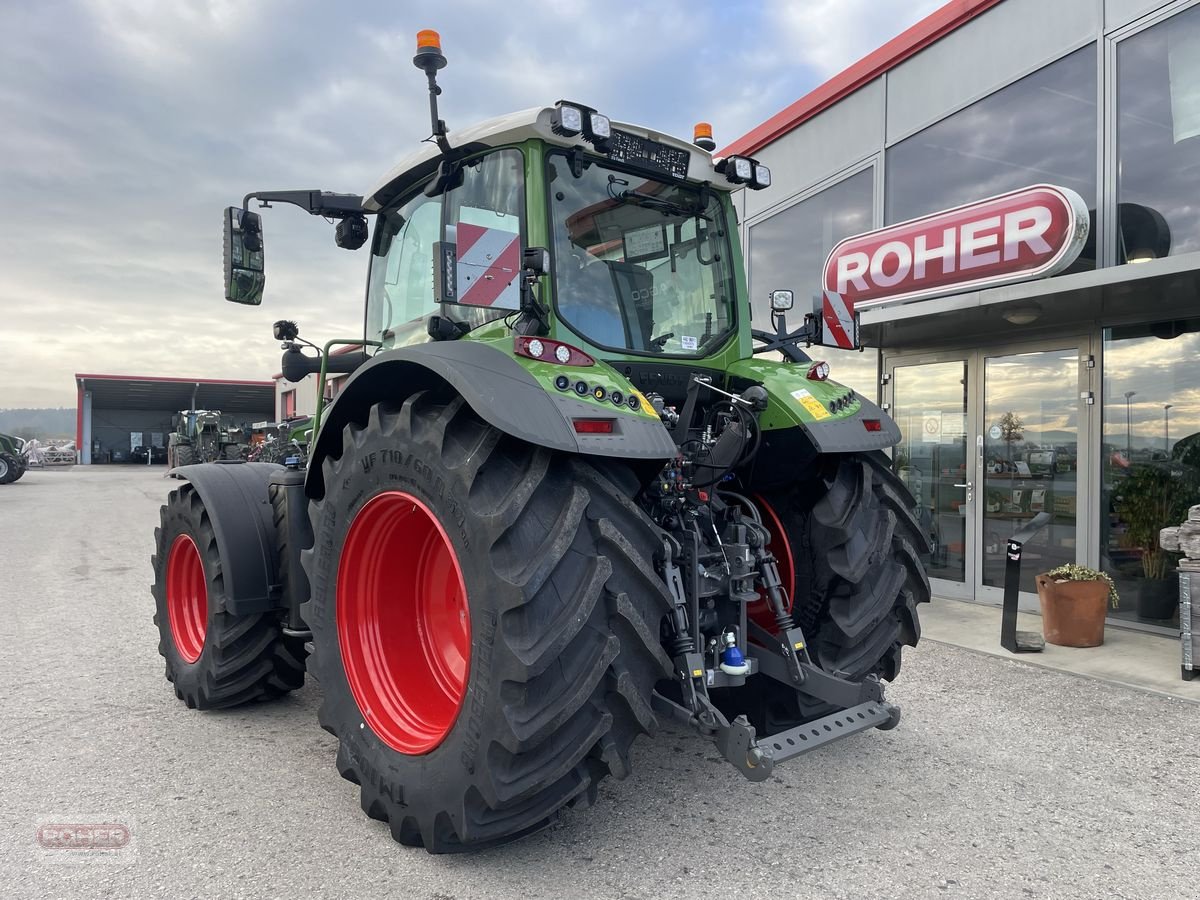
(1150, 462)
(1041, 129)
(788, 251)
(930, 405)
(1030, 460)
(1158, 139)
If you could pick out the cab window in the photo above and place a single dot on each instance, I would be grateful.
(490, 195)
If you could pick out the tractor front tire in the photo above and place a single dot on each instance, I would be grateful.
(10, 468)
(215, 659)
(485, 619)
(185, 455)
(850, 539)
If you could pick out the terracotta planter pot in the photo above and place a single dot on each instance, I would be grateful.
(1073, 611)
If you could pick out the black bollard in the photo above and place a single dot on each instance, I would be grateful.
(1010, 639)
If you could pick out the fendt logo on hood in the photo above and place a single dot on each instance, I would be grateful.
(1033, 232)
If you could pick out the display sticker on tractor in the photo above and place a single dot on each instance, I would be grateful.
(489, 261)
(815, 407)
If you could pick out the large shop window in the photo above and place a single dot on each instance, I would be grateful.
(1041, 129)
(1158, 140)
(1151, 459)
(788, 250)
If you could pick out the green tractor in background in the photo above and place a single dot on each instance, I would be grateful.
(14, 459)
(203, 436)
(558, 502)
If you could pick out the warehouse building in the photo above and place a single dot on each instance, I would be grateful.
(117, 413)
(1076, 393)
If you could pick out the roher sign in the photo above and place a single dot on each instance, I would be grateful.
(1030, 233)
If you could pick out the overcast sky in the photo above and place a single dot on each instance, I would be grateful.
(126, 126)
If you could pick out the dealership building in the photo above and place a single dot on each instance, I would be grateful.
(1076, 393)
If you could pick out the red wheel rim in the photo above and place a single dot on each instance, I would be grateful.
(760, 610)
(187, 598)
(404, 627)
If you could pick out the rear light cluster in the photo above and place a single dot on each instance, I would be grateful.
(818, 371)
(593, 426)
(843, 402)
(873, 424)
(546, 350)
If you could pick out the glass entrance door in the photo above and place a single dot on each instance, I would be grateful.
(935, 458)
(1031, 460)
(989, 439)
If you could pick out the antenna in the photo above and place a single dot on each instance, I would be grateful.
(429, 59)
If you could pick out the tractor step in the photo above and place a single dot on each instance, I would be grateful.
(808, 737)
(756, 759)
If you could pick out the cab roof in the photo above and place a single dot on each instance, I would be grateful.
(514, 128)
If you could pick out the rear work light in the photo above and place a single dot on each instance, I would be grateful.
(818, 371)
(546, 350)
(593, 426)
(872, 424)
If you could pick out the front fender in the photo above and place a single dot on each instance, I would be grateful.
(502, 392)
(797, 402)
(237, 499)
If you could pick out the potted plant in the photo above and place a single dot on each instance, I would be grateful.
(1074, 601)
(1150, 499)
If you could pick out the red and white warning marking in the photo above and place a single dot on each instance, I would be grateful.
(840, 328)
(489, 262)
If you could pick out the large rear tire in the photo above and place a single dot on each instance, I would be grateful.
(851, 540)
(485, 620)
(215, 659)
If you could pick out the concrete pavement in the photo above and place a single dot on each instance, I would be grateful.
(1003, 779)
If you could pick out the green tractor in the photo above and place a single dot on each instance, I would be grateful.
(14, 459)
(202, 436)
(558, 502)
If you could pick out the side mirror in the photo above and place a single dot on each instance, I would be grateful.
(782, 301)
(243, 256)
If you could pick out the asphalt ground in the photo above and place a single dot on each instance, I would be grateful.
(1003, 780)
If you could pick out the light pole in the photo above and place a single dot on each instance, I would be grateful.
(1167, 427)
(1128, 426)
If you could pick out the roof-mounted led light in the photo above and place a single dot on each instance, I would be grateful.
(566, 120)
(702, 137)
(818, 371)
(742, 170)
(600, 127)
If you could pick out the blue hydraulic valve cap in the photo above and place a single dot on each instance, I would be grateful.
(732, 661)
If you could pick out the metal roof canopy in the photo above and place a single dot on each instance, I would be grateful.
(1159, 290)
(161, 393)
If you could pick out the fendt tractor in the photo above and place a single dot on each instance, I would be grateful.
(203, 435)
(558, 502)
(14, 458)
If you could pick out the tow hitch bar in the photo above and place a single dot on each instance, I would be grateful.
(737, 740)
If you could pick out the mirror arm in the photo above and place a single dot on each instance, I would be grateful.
(315, 203)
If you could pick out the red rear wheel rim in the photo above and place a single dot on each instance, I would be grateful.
(781, 549)
(404, 627)
(187, 598)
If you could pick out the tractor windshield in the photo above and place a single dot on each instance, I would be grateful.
(640, 265)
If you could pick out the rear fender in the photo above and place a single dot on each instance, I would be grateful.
(501, 391)
(236, 497)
